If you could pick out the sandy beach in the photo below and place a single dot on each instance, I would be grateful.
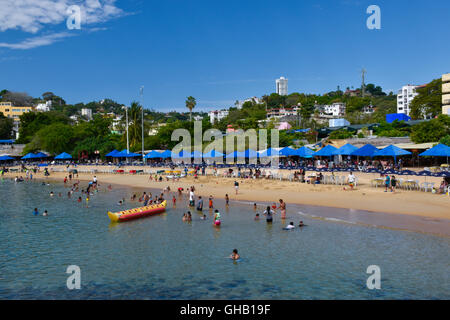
(364, 197)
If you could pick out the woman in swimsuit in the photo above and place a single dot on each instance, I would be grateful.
(283, 209)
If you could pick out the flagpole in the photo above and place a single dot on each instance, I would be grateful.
(142, 106)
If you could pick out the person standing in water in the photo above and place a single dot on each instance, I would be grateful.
(200, 204)
(227, 199)
(36, 212)
(283, 209)
(217, 218)
(268, 213)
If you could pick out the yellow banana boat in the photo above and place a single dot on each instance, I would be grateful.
(137, 213)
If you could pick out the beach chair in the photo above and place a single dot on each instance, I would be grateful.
(424, 186)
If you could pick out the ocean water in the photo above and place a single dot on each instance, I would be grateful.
(161, 257)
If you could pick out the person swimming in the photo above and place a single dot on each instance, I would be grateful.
(301, 224)
(257, 216)
(45, 214)
(51, 194)
(235, 255)
(290, 226)
(203, 218)
(36, 212)
(119, 203)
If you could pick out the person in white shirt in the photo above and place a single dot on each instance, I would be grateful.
(290, 226)
(351, 180)
(191, 198)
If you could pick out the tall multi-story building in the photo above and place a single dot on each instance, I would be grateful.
(13, 112)
(282, 86)
(404, 98)
(446, 94)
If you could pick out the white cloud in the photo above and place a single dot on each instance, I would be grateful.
(32, 16)
(39, 41)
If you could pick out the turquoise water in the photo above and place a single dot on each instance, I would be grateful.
(161, 257)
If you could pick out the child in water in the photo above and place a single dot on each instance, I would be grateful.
(257, 216)
(235, 255)
(36, 212)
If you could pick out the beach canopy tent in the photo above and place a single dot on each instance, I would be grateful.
(183, 154)
(391, 151)
(232, 155)
(440, 150)
(268, 152)
(7, 141)
(328, 151)
(153, 155)
(287, 152)
(6, 158)
(304, 152)
(41, 155)
(63, 156)
(249, 153)
(112, 153)
(367, 150)
(29, 156)
(125, 154)
(197, 156)
(166, 154)
(213, 154)
(345, 150)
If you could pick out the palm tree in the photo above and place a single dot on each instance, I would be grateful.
(190, 104)
(134, 128)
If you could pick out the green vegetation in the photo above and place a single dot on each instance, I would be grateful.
(6, 126)
(428, 102)
(431, 131)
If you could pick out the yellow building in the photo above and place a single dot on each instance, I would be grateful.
(446, 93)
(13, 112)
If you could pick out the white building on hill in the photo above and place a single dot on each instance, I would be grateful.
(217, 115)
(404, 98)
(282, 86)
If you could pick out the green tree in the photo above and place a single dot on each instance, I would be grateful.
(190, 104)
(54, 138)
(428, 102)
(431, 131)
(446, 140)
(6, 126)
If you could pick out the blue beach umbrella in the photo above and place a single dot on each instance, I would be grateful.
(326, 152)
(213, 154)
(166, 154)
(152, 155)
(63, 156)
(287, 152)
(304, 152)
(440, 150)
(29, 156)
(41, 155)
(6, 158)
(391, 151)
(345, 150)
(112, 153)
(367, 150)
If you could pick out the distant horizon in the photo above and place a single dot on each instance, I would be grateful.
(218, 52)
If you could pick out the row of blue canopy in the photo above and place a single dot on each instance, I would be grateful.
(367, 150)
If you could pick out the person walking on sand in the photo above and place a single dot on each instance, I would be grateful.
(236, 186)
(393, 183)
(283, 209)
(387, 183)
(351, 180)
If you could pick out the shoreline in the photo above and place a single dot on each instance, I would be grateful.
(404, 210)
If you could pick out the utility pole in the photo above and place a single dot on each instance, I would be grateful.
(126, 119)
(142, 106)
(363, 85)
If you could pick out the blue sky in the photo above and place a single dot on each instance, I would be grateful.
(217, 51)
